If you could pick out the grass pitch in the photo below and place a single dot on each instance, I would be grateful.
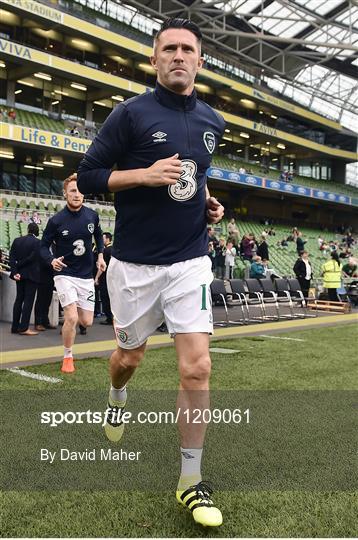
(325, 360)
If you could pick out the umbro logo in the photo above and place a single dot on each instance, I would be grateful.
(65, 232)
(187, 455)
(159, 136)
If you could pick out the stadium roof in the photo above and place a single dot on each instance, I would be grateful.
(306, 49)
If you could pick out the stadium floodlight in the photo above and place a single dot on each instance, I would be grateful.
(43, 76)
(148, 68)
(83, 45)
(55, 102)
(2, 64)
(282, 146)
(268, 142)
(274, 159)
(101, 103)
(204, 88)
(79, 86)
(61, 92)
(120, 60)
(6, 154)
(53, 163)
(25, 83)
(227, 130)
(239, 150)
(18, 91)
(37, 167)
(274, 117)
(244, 135)
(118, 98)
(222, 144)
(248, 103)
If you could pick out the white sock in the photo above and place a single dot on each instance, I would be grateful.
(119, 394)
(68, 352)
(190, 467)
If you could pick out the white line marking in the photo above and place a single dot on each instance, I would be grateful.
(36, 376)
(224, 351)
(286, 338)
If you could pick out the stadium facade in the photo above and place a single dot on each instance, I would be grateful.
(64, 66)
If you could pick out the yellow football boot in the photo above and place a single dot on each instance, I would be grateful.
(197, 499)
(114, 426)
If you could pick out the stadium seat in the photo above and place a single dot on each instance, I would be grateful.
(269, 297)
(296, 294)
(219, 295)
(254, 299)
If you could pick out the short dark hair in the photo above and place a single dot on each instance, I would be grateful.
(180, 23)
(108, 235)
(33, 228)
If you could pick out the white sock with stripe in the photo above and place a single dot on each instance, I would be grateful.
(190, 467)
(67, 352)
(119, 394)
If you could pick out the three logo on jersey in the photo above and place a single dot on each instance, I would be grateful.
(186, 186)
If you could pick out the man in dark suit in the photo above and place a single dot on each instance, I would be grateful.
(44, 297)
(101, 279)
(25, 270)
(304, 273)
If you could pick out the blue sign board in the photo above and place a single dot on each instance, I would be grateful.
(282, 187)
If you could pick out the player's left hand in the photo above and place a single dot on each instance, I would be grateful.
(101, 265)
(215, 210)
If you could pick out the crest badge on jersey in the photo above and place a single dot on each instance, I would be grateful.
(186, 186)
(91, 227)
(209, 141)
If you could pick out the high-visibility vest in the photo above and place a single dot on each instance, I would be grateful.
(331, 271)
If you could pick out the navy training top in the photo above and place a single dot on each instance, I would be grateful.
(166, 224)
(71, 235)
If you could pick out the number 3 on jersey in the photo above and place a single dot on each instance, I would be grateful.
(79, 248)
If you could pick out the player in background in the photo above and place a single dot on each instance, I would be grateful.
(70, 231)
(162, 143)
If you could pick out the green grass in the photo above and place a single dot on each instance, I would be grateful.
(325, 360)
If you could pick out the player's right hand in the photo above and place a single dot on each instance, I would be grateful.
(163, 172)
(58, 264)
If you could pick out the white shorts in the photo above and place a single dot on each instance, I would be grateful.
(72, 290)
(143, 296)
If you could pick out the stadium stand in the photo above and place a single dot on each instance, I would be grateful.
(36, 120)
(70, 108)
